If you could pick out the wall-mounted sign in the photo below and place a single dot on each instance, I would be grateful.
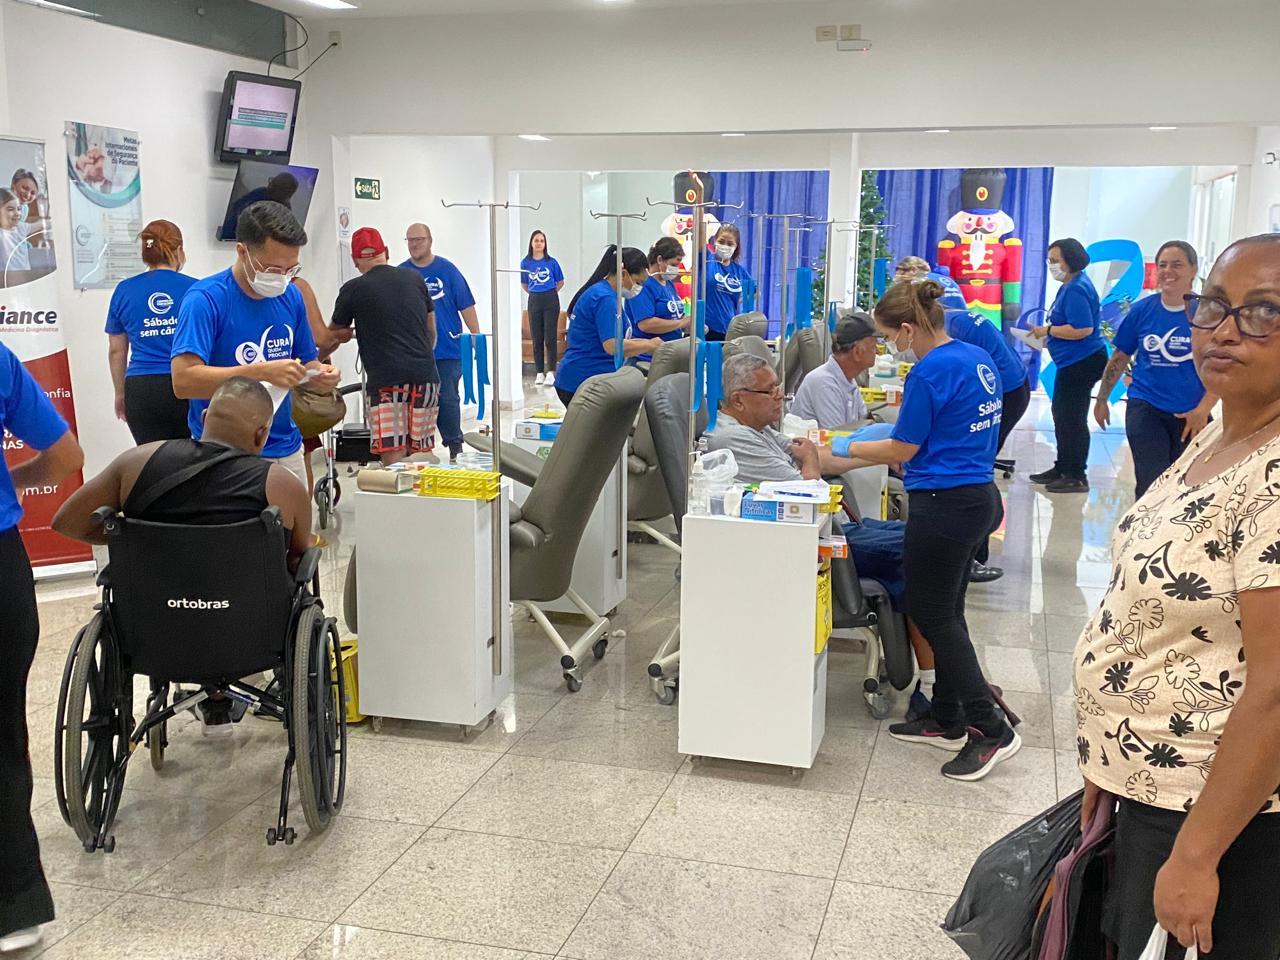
(367, 189)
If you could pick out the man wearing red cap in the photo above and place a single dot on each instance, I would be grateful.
(392, 310)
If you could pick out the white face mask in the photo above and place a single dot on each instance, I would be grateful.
(630, 293)
(268, 285)
(724, 251)
(671, 273)
(1058, 272)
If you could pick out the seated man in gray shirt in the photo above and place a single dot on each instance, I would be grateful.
(830, 394)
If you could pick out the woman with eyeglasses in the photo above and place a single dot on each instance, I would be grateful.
(1077, 349)
(1167, 404)
(659, 310)
(541, 278)
(140, 322)
(1177, 674)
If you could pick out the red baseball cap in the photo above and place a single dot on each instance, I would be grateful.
(367, 238)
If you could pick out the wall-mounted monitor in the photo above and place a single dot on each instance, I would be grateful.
(292, 186)
(257, 117)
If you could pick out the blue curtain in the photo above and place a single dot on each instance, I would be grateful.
(786, 191)
(920, 202)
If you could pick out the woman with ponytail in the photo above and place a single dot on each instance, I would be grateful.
(593, 316)
(140, 323)
(946, 438)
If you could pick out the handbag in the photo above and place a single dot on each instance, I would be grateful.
(1159, 943)
(314, 413)
(1073, 928)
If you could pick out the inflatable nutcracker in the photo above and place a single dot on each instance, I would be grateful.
(988, 269)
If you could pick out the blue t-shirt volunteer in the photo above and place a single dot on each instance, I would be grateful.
(951, 405)
(450, 296)
(146, 308)
(970, 328)
(225, 327)
(724, 293)
(593, 321)
(540, 276)
(1076, 305)
(1159, 340)
(26, 413)
(659, 300)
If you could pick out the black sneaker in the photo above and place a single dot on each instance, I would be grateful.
(980, 754)
(981, 573)
(1050, 475)
(1068, 485)
(928, 731)
(454, 450)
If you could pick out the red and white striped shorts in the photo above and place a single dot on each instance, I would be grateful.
(403, 417)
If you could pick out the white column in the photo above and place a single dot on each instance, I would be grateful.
(843, 199)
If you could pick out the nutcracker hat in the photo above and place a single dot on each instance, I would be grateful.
(982, 190)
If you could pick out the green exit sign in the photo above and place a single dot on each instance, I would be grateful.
(367, 189)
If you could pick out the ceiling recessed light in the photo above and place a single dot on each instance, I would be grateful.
(733, 134)
(939, 130)
(332, 4)
(1160, 129)
(534, 137)
(61, 8)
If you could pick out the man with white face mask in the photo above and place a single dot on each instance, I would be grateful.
(250, 321)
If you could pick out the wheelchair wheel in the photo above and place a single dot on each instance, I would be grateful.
(319, 718)
(899, 662)
(92, 733)
(158, 736)
(324, 501)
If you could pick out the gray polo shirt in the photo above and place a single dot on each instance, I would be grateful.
(760, 454)
(827, 396)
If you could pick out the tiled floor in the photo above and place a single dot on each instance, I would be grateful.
(572, 826)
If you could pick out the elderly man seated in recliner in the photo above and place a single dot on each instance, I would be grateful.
(830, 395)
(752, 404)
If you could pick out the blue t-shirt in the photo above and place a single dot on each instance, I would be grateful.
(540, 276)
(724, 293)
(146, 308)
(1076, 305)
(26, 413)
(450, 295)
(970, 328)
(660, 300)
(1159, 340)
(951, 405)
(593, 321)
(225, 327)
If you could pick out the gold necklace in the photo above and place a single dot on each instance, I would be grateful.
(1221, 450)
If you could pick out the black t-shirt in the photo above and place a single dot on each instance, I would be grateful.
(389, 306)
(228, 492)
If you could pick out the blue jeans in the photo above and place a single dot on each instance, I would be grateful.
(877, 548)
(1155, 439)
(449, 420)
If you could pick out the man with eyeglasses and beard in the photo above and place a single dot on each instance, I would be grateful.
(250, 321)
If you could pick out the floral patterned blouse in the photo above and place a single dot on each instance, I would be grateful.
(1161, 662)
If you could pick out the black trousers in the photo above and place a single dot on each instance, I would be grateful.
(24, 895)
(945, 528)
(1155, 439)
(1246, 925)
(152, 411)
(1071, 394)
(1014, 406)
(564, 395)
(713, 335)
(544, 322)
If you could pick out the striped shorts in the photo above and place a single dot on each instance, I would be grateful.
(403, 417)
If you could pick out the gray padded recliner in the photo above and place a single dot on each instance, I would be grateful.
(546, 530)
(753, 324)
(748, 344)
(671, 357)
(805, 354)
(646, 494)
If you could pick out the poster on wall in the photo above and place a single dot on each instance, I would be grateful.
(31, 326)
(106, 204)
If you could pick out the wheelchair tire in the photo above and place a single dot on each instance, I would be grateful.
(318, 717)
(91, 745)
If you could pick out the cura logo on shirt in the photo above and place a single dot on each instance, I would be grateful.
(675, 308)
(988, 378)
(160, 302)
(536, 275)
(268, 348)
(435, 287)
(727, 282)
(1164, 346)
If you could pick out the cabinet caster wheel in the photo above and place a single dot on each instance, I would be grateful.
(109, 845)
(271, 836)
(879, 705)
(572, 682)
(599, 648)
(375, 724)
(666, 696)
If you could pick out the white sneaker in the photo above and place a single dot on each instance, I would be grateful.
(537, 381)
(21, 939)
(551, 379)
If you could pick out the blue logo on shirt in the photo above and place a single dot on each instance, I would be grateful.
(1164, 345)
(160, 302)
(728, 282)
(988, 378)
(540, 275)
(435, 287)
(268, 348)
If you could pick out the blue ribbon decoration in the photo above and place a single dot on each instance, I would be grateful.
(700, 319)
(833, 316)
(749, 289)
(466, 350)
(802, 308)
(482, 371)
(715, 387)
(699, 374)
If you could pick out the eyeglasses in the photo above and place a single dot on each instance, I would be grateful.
(416, 239)
(287, 272)
(775, 391)
(1254, 320)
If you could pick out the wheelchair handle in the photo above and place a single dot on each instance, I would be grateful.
(350, 388)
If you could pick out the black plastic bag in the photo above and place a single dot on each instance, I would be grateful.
(996, 911)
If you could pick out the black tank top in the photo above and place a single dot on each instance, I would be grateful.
(228, 492)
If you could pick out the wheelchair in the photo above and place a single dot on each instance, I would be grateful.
(235, 612)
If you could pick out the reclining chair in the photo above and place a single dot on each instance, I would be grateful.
(546, 530)
(863, 605)
(805, 354)
(753, 324)
(233, 611)
(749, 343)
(647, 500)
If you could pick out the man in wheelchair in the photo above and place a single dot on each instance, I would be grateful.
(221, 478)
(199, 596)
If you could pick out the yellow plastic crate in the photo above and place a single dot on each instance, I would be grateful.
(822, 626)
(351, 678)
(904, 368)
(833, 505)
(872, 394)
(458, 484)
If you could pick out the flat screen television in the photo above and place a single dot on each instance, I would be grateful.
(257, 117)
(290, 185)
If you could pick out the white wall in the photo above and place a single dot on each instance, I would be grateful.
(169, 92)
(1263, 183)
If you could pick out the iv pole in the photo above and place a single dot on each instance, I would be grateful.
(618, 359)
(498, 600)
